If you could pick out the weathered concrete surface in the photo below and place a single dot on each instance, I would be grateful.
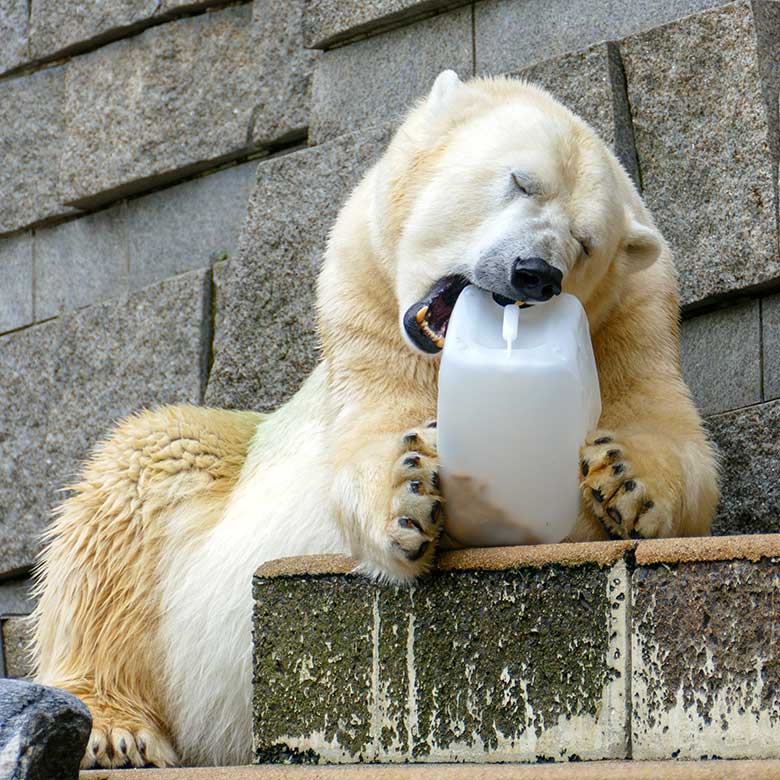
(80, 262)
(15, 634)
(750, 472)
(530, 666)
(705, 670)
(31, 133)
(770, 313)
(189, 226)
(265, 339)
(511, 35)
(16, 290)
(13, 34)
(720, 354)
(64, 382)
(327, 22)
(43, 732)
(389, 72)
(16, 597)
(702, 136)
(592, 84)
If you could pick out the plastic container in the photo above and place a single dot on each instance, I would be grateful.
(512, 418)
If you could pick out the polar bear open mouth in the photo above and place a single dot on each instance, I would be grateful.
(425, 321)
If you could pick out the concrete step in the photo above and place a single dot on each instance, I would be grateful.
(646, 650)
(596, 770)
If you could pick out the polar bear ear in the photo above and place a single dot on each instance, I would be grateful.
(642, 245)
(445, 86)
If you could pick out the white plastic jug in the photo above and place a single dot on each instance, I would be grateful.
(512, 418)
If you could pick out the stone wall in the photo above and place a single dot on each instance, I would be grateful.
(170, 171)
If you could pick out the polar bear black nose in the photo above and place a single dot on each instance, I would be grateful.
(535, 279)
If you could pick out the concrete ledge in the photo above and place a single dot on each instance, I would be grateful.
(603, 770)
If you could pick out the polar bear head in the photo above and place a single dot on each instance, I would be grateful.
(493, 182)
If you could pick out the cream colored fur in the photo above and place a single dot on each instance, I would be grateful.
(145, 582)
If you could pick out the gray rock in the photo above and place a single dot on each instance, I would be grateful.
(770, 312)
(327, 22)
(750, 469)
(721, 357)
(284, 72)
(703, 663)
(16, 291)
(592, 84)
(265, 338)
(57, 28)
(31, 135)
(13, 34)
(511, 35)
(80, 262)
(43, 732)
(189, 226)
(389, 72)
(702, 138)
(531, 665)
(16, 596)
(154, 107)
(16, 633)
(64, 382)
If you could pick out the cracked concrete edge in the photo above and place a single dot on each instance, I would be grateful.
(751, 547)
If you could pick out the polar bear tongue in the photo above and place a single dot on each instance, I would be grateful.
(426, 321)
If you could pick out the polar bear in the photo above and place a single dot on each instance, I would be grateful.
(144, 583)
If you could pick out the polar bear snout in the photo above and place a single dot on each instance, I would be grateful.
(534, 279)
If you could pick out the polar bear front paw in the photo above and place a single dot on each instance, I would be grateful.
(627, 486)
(416, 515)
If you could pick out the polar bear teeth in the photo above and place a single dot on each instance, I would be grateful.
(426, 321)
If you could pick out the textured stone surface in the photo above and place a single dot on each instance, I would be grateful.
(64, 382)
(703, 144)
(15, 635)
(265, 340)
(397, 674)
(43, 732)
(326, 22)
(511, 35)
(705, 669)
(750, 473)
(189, 226)
(31, 133)
(720, 353)
(389, 72)
(284, 72)
(170, 101)
(80, 262)
(13, 33)
(16, 290)
(770, 313)
(592, 84)
(16, 597)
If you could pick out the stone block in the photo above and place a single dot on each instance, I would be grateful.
(31, 136)
(172, 101)
(327, 22)
(770, 319)
(64, 382)
(13, 34)
(189, 226)
(705, 670)
(531, 666)
(720, 353)
(510, 35)
(16, 596)
(16, 634)
(592, 84)
(59, 28)
(702, 137)
(265, 336)
(16, 291)
(80, 262)
(750, 469)
(389, 72)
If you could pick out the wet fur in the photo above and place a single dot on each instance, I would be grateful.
(145, 581)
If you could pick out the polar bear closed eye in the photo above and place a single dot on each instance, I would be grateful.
(145, 597)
